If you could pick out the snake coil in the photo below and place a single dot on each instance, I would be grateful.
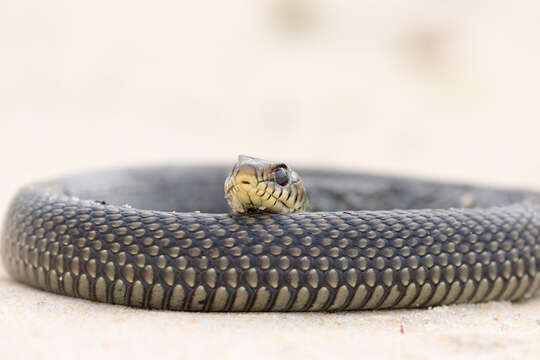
(469, 244)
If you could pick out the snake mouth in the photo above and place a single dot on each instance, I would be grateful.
(230, 187)
(233, 197)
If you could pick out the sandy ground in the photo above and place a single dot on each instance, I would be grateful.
(439, 90)
(47, 326)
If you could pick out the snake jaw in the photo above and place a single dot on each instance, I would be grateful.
(252, 185)
(235, 204)
(232, 191)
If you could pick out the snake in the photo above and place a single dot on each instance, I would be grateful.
(165, 237)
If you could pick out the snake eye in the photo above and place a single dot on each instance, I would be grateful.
(281, 176)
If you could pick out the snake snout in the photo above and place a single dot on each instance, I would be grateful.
(245, 180)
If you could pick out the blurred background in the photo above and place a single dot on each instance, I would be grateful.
(439, 89)
(435, 89)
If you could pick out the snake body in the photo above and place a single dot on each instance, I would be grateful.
(84, 236)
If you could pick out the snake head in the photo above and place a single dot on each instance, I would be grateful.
(256, 185)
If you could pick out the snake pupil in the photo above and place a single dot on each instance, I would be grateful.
(282, 178)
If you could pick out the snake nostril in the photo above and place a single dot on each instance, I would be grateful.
(245, 182)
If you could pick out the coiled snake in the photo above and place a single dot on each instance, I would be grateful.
(84, 236)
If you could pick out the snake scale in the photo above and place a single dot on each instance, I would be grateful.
(84, 236)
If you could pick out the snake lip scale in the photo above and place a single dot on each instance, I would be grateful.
(413, 244)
